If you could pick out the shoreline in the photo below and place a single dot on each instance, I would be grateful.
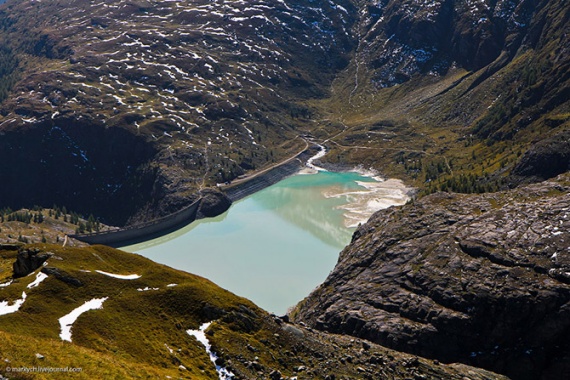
(235, 191)
(159, 227)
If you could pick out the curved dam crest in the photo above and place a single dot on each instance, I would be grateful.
(278, 244)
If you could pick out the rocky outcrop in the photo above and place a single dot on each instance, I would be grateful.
(404, 38)
(62, 276)
(28, 260)
(545, 159)
(311, 354)
(212, 203)
(480, 279)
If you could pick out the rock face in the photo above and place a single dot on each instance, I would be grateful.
(28, 260)
(78, 166)
(480, 279)
(402, 38)
(545, 159)
(62, 276)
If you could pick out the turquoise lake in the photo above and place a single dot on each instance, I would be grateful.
(275, 246)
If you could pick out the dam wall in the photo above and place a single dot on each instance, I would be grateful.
(267, 177)
(262, 181)
(158, 227)
(144, 231)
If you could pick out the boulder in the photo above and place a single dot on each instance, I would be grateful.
(28, 260)
(62, 276)
(545, 159)
(275, 375)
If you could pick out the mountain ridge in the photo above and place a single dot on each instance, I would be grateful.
(184, 80)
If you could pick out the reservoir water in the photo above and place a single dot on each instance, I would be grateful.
(277, 245)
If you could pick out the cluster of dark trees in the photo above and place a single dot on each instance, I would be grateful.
(465, 183)
(92, 224)
(7, 215)
(36, 215)
(470, 183)
(435, 168)
(22, 216)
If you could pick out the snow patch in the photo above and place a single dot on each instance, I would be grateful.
(120, 276)
(39, 278)
(200, 335)
(146, 289)
(67, 321)
(5, 308)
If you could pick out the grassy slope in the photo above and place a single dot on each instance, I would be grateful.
(401, 131)
(143, 334)
(133, 327)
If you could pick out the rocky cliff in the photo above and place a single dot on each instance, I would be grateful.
(480, 279)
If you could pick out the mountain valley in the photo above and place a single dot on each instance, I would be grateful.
(132, 110)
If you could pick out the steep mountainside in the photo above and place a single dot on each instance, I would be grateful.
(143, 103)
(201, 92)
(480, 279)
(451, 94)
(141, 328)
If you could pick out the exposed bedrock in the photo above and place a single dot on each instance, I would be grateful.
(545, 159)
(213, 203)
(28, 260)
(479, 279)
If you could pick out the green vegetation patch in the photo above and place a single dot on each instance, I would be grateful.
(143, 320)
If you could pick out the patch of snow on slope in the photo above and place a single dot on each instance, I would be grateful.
(5, 308)
(67, 321)
(120, 276)
(39, 278)
(200, 335)
(146, 289)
